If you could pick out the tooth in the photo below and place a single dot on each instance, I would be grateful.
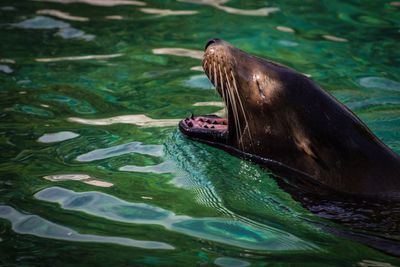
(212, 127)
(205, 126)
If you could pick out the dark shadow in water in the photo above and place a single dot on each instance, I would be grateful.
(375, 223)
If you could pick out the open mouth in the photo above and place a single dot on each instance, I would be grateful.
(208, 128)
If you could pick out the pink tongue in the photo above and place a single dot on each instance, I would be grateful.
(207, 122)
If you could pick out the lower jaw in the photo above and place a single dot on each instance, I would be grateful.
(208, 128)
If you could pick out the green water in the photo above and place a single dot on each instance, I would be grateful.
(78, 187)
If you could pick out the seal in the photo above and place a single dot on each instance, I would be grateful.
(282, 120)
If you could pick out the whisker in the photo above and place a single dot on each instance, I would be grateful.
(205, 63)
(221, 82)
(223, 92)
(209, 73)
(230, 95)
(234, 107)
(242, 108)
(215, 77)
(234, 111)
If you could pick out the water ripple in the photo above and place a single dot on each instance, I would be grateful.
(265, 11)
(7, 60)
(288, 43)
(221, 230)
(197, 68)
(182, 52)
(168, 12)
(78, 106)
(139, 120)
(334, 38)
(8, 8)
(76, 58)
(285, 29)
(114, 17)
(6, 69)
(378, 101)
(380, 83)
(104, 3)
(57, 137)
(199, 81)
(45, 23)
(61, 15)
(133, 147)
(42, 23)
(31, 110)
(72, 33)
(37, 226)
(230, 262)
(165, 167)
(209, 104)
(77, 177)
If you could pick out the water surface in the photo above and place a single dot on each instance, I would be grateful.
(93, 170)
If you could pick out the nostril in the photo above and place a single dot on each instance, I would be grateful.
(211, 41)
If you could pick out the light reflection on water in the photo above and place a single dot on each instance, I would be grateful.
(60, 14)
(57, 137)
(165, 167)
(77, 177)
(168, 12)
(35, 225)
(65, 30)
(237, 11)
(133, 147)
(220, 230)
(105, 3)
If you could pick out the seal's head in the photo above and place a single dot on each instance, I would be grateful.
(276, 113)
(255, 92)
